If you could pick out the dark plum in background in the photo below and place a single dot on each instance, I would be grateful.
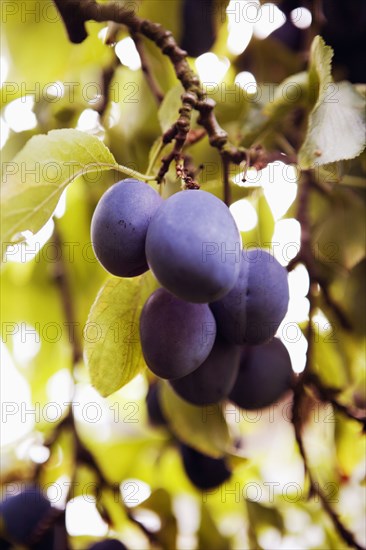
(204, 471)
(119, 226)
(22, 514)
(214, 379)
(198, 34)
(254, 309)
(154, 410)
(265, 375)
(176, 336)
(193, 246)
(108, 544)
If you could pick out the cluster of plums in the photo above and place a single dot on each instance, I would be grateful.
(209, 330)
(28, 519)
(216, 300)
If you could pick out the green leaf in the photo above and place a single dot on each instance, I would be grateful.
(288, 94)
(203, 428)
(336, 128)
(169, 108)
(33, 182)
(336, 125)
(112, 341)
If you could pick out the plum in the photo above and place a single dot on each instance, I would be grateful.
(214, 379)
(253, 310)
(204, 471)
(119, 226)
(193, 246)
(22, 514)
(265, 375)
(176, 336)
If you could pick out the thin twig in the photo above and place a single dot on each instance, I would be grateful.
(226, 173)
(328, 395)
(145, 66)
(62, 280)
(343, 531)
(106, 79)
(332, 304)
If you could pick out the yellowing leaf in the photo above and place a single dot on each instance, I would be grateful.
(320, 75)
(34, 180)
(112, 337)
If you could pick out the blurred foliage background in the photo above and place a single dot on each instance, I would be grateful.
(49, 83)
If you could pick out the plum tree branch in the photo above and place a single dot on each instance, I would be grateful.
(76, 12)
(106, 79)
(307, 377)
(315, 488)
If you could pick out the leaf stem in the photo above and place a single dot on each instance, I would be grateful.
(133, 173)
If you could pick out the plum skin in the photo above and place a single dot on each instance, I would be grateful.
(214, 379)
(253, 310)
(176, 336)
(119, 226)
(193, 246)
(265, 375)
(205, 472)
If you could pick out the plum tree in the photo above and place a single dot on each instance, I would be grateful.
(154, 411)
(204, 471)
(108, 544)
(193, 246)
(176, 336)
(119, 226)
(253, 310)
(264, 376)
(214, 379)
(22, 515)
